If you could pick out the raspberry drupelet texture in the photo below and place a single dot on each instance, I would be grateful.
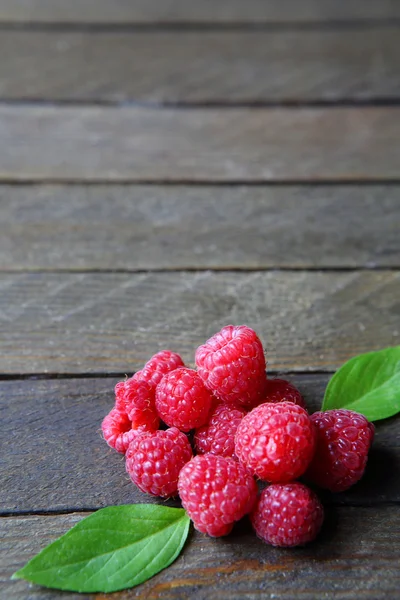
(343, 440)
(276, 441)
(218, 436)
(232, 365)
(161, 363)
(139, 401)
(119, 396)
(117, 430)
(280, 390)
(154, 460)
(182, 400)
(287, 515)
(216, 491)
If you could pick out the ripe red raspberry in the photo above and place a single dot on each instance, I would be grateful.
(154, 460)
(216, 491)
(161, 363)
(276, 441)
(287, 515)
(343, 440)
(182, 400)
(117, 430)
(280, 390)
(232, 365)
(139, 400)
(119, 396)
(218, 436)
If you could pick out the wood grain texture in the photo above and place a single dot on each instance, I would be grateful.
(184, 11)
(200, 66)
(102, 323)
(63, 463)
(136, 144)
(357, 550)
(178, 227)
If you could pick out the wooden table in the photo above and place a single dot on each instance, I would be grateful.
(167, 168)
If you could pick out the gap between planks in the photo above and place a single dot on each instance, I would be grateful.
(192, 182)
(204, 26)
(376, 101)
(211, 269)
(122, 375)
(84, 511)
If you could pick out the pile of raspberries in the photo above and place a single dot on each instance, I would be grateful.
(227, 425)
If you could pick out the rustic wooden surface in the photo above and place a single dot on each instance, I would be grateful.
(201, 66)
(130, 143)
(356, 551)
(189, 11)
(167, 167)
(101, 322)
(133, 227)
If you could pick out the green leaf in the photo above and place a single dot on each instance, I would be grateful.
(368, 384)
(113, 549)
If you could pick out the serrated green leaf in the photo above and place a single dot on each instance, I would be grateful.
(368, 384)
(115, 548)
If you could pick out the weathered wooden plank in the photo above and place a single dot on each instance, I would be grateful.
(178, 227)
(59, 461)
(136, 144)
(201, 66)
(356, 550)
(97, 322)
(183, 11)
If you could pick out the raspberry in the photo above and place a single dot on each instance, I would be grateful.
(276, 441)
(287, 515)
(154, 459)
(117, 430)
(279, 390)
(218, 436)
(232, 365)
(182, 400)
(139, 400)
(216, 491)
(343, 440)
(161, 363)
(119, 396)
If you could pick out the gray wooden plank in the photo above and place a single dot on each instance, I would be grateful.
(166, 11)
(63, 463)
(112, 322)
(201, 66)
(179, 227)
(136, 144)
(356, 551)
